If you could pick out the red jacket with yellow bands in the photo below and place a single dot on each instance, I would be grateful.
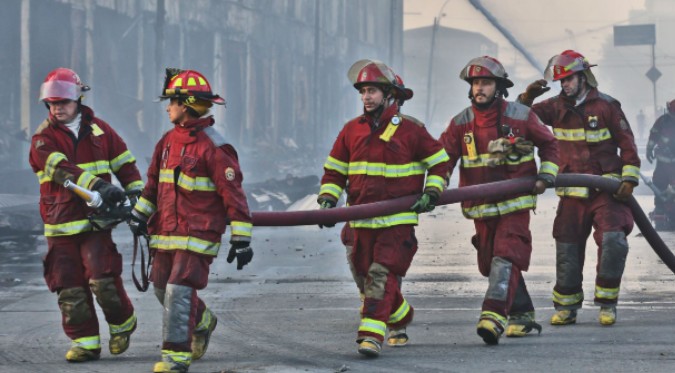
(384, 162)
(97, 152)
(513, 118)
(194, 191)
(589, 136)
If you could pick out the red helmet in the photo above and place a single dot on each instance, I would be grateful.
(403, 93)
(365, 72)
(62, 84)
(188, 83)
(566, 64)
(485, 67)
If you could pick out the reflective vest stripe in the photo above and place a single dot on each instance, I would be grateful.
(52, 161)
(435, 182)
(482, 161)
(567, 299)
(386, 170)
(67, 229)
(336, 165)
(88, 343)
(598, 135)
(85, 180)
(386, 221)
(400, 313)
(200, 183)
(145, 207)
(436, 158)
(332, 189)
(373, 326)
(500, 208)
(134, 186)
(96, 168)
(582, 134)
(122, 159)
(548, 168)
(184, 243)
(177, 356)
(42, 177)
(125, 326)
(606, 293)
(240, 228)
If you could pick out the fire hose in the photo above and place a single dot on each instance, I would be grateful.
(495, 189)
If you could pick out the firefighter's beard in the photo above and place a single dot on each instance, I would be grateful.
(485, 103)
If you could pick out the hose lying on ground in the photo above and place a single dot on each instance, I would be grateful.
(496, 189)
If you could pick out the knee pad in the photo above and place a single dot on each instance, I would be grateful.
(613, 257)
(74, 306)
(177, 308)
(376, 281)
(106, 294)
(500, 274)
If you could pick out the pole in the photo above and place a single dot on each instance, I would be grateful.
(427, 118)
(656, 111)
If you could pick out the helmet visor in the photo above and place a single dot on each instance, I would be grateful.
(380, 73)
(561, 66)
(58, 90)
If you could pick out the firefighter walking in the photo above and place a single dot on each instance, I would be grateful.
(381, 155)
(595, 138)
(193, 192)
(661, 147)
(494, 140)
(74, 145)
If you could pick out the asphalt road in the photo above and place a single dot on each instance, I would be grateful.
(295, 309)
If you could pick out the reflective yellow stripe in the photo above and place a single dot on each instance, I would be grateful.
(240, 228)
(629, 171)
(122, 159)
(42, 177)
(67, 229)
(482, 161)
(548, 168)
(96, 168)
(567, 300)
(200, 183)
(134, 185)
(207, 316)
(577, 192)
(386, 221)
(576, 134)
(336, 165)
(177, 356)
(145, 207)
(96, 130)
(436, 158)
(125, 326)
(166, 176)
(386, 170)
(435, 182)
(373, 326)
(85, 180)
(332, 189)
(494, 316)
(598, 135)
(606, 293)
(52, 161)
(88, 343)
(500, 208)
(400, 313)
(184, 243)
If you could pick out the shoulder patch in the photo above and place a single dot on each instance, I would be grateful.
(517, 111)
(42, 127)
(216, 138)
(464, 117)
(413, 119)
(606, 97)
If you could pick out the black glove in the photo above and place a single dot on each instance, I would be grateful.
(110, 193)
(326, 203)
(242, 251)
(138, 225)
(425, 203)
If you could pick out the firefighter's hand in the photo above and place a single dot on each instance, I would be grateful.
(425, 203)
(111, 194)
(625, 191)
(138, 225)
(325, 203)
(650, 154)
(242, 251)
(536, 89)
(539, 187)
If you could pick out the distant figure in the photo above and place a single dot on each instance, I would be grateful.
(661, 147)
(640, 119)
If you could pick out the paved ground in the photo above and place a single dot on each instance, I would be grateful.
(294, 309)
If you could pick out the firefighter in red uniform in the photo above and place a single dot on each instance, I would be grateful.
(594, 138)
(73, 144)
(193, 191)
(661, 147)
(381, 155)
(494, 140)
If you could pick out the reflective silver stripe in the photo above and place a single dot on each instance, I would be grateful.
(567, 300)
(200, 183)
(67, 229)
(336, 165)
(606, 293)
(96, 168)
(332, 189)
(386, 170)
(500, 208)
(88, 343)
(494, 316)
(598, 135)
(184, 243)
(373, 326)
(400, 313)
(122, 159)
(630, 171)
(52, 161)
(575, 134)
(134, 185)
(85, 179)
(436, 182)
(548, 168)
(439, 157)
(240, 228)
(578, 192)
(386, 221)
(145, 207)
(125, 326)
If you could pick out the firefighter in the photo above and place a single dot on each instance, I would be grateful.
(396, 337)
(494, 140)
(595, 138)
(82, 262)
(193, 191)
(661, 147)
(382, 154)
